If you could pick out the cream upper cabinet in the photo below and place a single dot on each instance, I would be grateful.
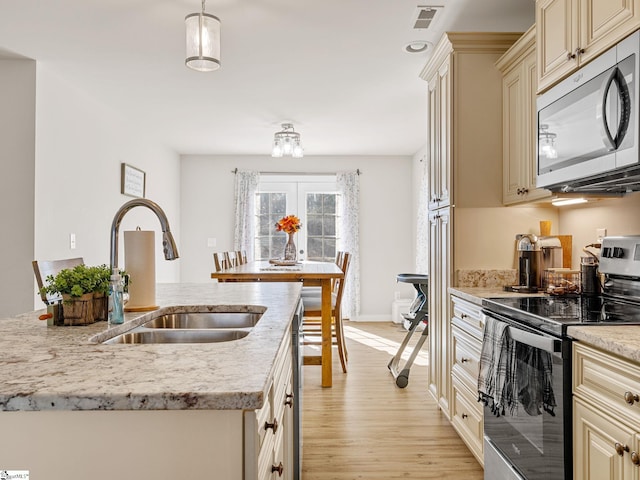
(606, 416)
(518, 66)
(573, 32)
(438, 136)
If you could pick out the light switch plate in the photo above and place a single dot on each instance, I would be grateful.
(600, 234)
(211, 242)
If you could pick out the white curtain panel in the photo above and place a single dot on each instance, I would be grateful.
(422, 225)
(245, 190)
(349, 189)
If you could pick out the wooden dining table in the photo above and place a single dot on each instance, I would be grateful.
(310, 274)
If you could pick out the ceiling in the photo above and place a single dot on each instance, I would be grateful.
(336, 69)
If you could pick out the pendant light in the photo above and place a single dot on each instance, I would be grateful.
(203, 41)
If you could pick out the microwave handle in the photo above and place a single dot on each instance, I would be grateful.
(616, 78)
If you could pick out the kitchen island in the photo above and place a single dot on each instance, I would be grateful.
(74, 408)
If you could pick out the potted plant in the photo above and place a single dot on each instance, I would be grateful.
(100, 278)
(77, 286)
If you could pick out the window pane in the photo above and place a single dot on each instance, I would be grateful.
(314, 225)
(329, 203)
(329, 224)
(314, 203)
(315, 249)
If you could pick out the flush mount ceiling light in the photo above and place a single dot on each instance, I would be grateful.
(547, 141)
(287, 142)
(203, 41)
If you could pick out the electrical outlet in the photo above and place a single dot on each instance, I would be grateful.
(600, 234)
(72, 241)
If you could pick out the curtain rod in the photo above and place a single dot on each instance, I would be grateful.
(235, 170)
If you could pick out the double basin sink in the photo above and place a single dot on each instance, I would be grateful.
(193, 327)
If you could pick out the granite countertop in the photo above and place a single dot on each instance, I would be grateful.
(476, 294)
(623, 340)
(59, 368)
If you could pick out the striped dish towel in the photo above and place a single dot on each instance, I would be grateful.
(497, 386)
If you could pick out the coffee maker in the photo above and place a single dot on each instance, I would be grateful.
(529, 263)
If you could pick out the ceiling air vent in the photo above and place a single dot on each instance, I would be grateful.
(425, 15)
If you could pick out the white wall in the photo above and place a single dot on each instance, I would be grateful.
(386, 233)
(80, 144)
(618, 215)
(17, 160)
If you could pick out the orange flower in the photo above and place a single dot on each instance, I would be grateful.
(288, 224)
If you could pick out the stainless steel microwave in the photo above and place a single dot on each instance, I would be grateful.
(588, 126)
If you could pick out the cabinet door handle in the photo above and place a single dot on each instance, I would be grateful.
(278, 468)
(465, 360)
(630, 398)
(464, 415)
(289, 400)
(635, 458)
(463, 316)
(620, 448)
(579, 51)
(571, 56)
(273, 425)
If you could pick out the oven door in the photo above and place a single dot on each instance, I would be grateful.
(535, 441)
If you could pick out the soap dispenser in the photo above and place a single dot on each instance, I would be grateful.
(116, 301)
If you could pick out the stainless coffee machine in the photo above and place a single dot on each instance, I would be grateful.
(535, 255)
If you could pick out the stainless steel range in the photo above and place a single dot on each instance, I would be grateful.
(530, 435)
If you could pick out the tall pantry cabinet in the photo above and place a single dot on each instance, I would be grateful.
(464, 155)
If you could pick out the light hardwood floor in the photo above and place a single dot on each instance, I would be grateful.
(366, 428)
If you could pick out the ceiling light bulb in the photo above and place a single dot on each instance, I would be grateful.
(297, 151)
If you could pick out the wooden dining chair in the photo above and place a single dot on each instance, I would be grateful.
(241, 257)
(231, 258)
(311, 323)
(43, 268)
(220, 261)
(316, 291)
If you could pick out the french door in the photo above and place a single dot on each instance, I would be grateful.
(314, 202)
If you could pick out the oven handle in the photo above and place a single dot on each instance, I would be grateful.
(547, 344)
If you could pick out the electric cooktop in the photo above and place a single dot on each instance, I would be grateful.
(553, 314)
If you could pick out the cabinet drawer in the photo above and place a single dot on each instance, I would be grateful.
(605, 380)
(467, 316)
(466, 357)
(266, 458)
(467, 418)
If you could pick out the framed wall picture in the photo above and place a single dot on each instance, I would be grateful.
(132, 181)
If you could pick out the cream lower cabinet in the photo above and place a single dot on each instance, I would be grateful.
(269, 431)
(570, 33)
(519, 84)
(439, 325)
(606, 416)
(467, 414)
(156, 444)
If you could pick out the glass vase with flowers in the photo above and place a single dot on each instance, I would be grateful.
(289, 224)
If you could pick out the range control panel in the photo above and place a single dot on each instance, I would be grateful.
(620, 256)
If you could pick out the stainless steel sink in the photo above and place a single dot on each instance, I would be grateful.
(205, 320)
(178, 336)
